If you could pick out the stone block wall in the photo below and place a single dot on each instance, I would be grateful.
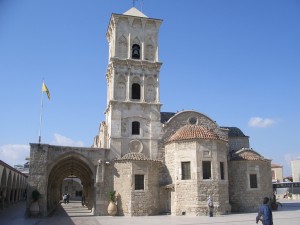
(123, 184)
(170, 164)
(138, 202)
(242, 197)
(221, 198)
(218, 190)
(185, 202)
(237, 143)
(190, 196)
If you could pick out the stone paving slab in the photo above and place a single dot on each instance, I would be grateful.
(75, 214)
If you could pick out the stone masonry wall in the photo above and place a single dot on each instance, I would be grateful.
(190, 196)
(242, 197)
(185, 201)
(237, 143)
(169, 173)
(123, 184)
(138, 202)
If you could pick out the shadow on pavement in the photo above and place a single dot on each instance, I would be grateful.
(73, 209)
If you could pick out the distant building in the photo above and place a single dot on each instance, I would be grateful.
(23, 168)
(13, 185)
(296, 169)
(73, 187)
(277, 175)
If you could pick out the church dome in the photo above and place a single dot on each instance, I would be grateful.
(189, 132)
(235, 132)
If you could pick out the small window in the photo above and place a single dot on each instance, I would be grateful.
(222, 175)
(135, 128)
(139, 182)
(185, 170)
(206, 153)
(136, 51)
(136, 91)
(193, 120)
(253, 181)
(206, 167)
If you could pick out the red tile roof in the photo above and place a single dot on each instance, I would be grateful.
(189, 132)
(135, 156)
(247, 154)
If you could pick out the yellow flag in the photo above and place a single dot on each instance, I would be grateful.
(45, 89)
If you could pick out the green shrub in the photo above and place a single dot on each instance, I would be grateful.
(112, 196)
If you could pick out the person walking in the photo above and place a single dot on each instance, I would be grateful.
(210, 205)
(82, 200)
(65, 198)
(265, 213)
(68, 198)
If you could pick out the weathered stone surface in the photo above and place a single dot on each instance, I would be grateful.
(243, 198)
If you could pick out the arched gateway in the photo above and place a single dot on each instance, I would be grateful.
(50, 165)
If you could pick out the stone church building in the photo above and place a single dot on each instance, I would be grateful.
(157, 162)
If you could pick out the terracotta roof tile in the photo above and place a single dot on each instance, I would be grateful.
(189, 132)
(135, 156)
(247, 154)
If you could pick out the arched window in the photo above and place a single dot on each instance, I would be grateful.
(136, 51)
(135, 128)
(136, 91)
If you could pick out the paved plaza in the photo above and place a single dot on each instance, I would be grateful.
(75, 214)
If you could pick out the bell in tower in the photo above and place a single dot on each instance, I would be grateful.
(136, 51)
(133, 104)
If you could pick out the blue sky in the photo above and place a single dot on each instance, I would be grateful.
(234, 61)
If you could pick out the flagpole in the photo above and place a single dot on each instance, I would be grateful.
(41, 117)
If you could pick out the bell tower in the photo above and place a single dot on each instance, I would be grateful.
(133, 105)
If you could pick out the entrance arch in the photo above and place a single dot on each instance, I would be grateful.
(70, 164)
(50, 165)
